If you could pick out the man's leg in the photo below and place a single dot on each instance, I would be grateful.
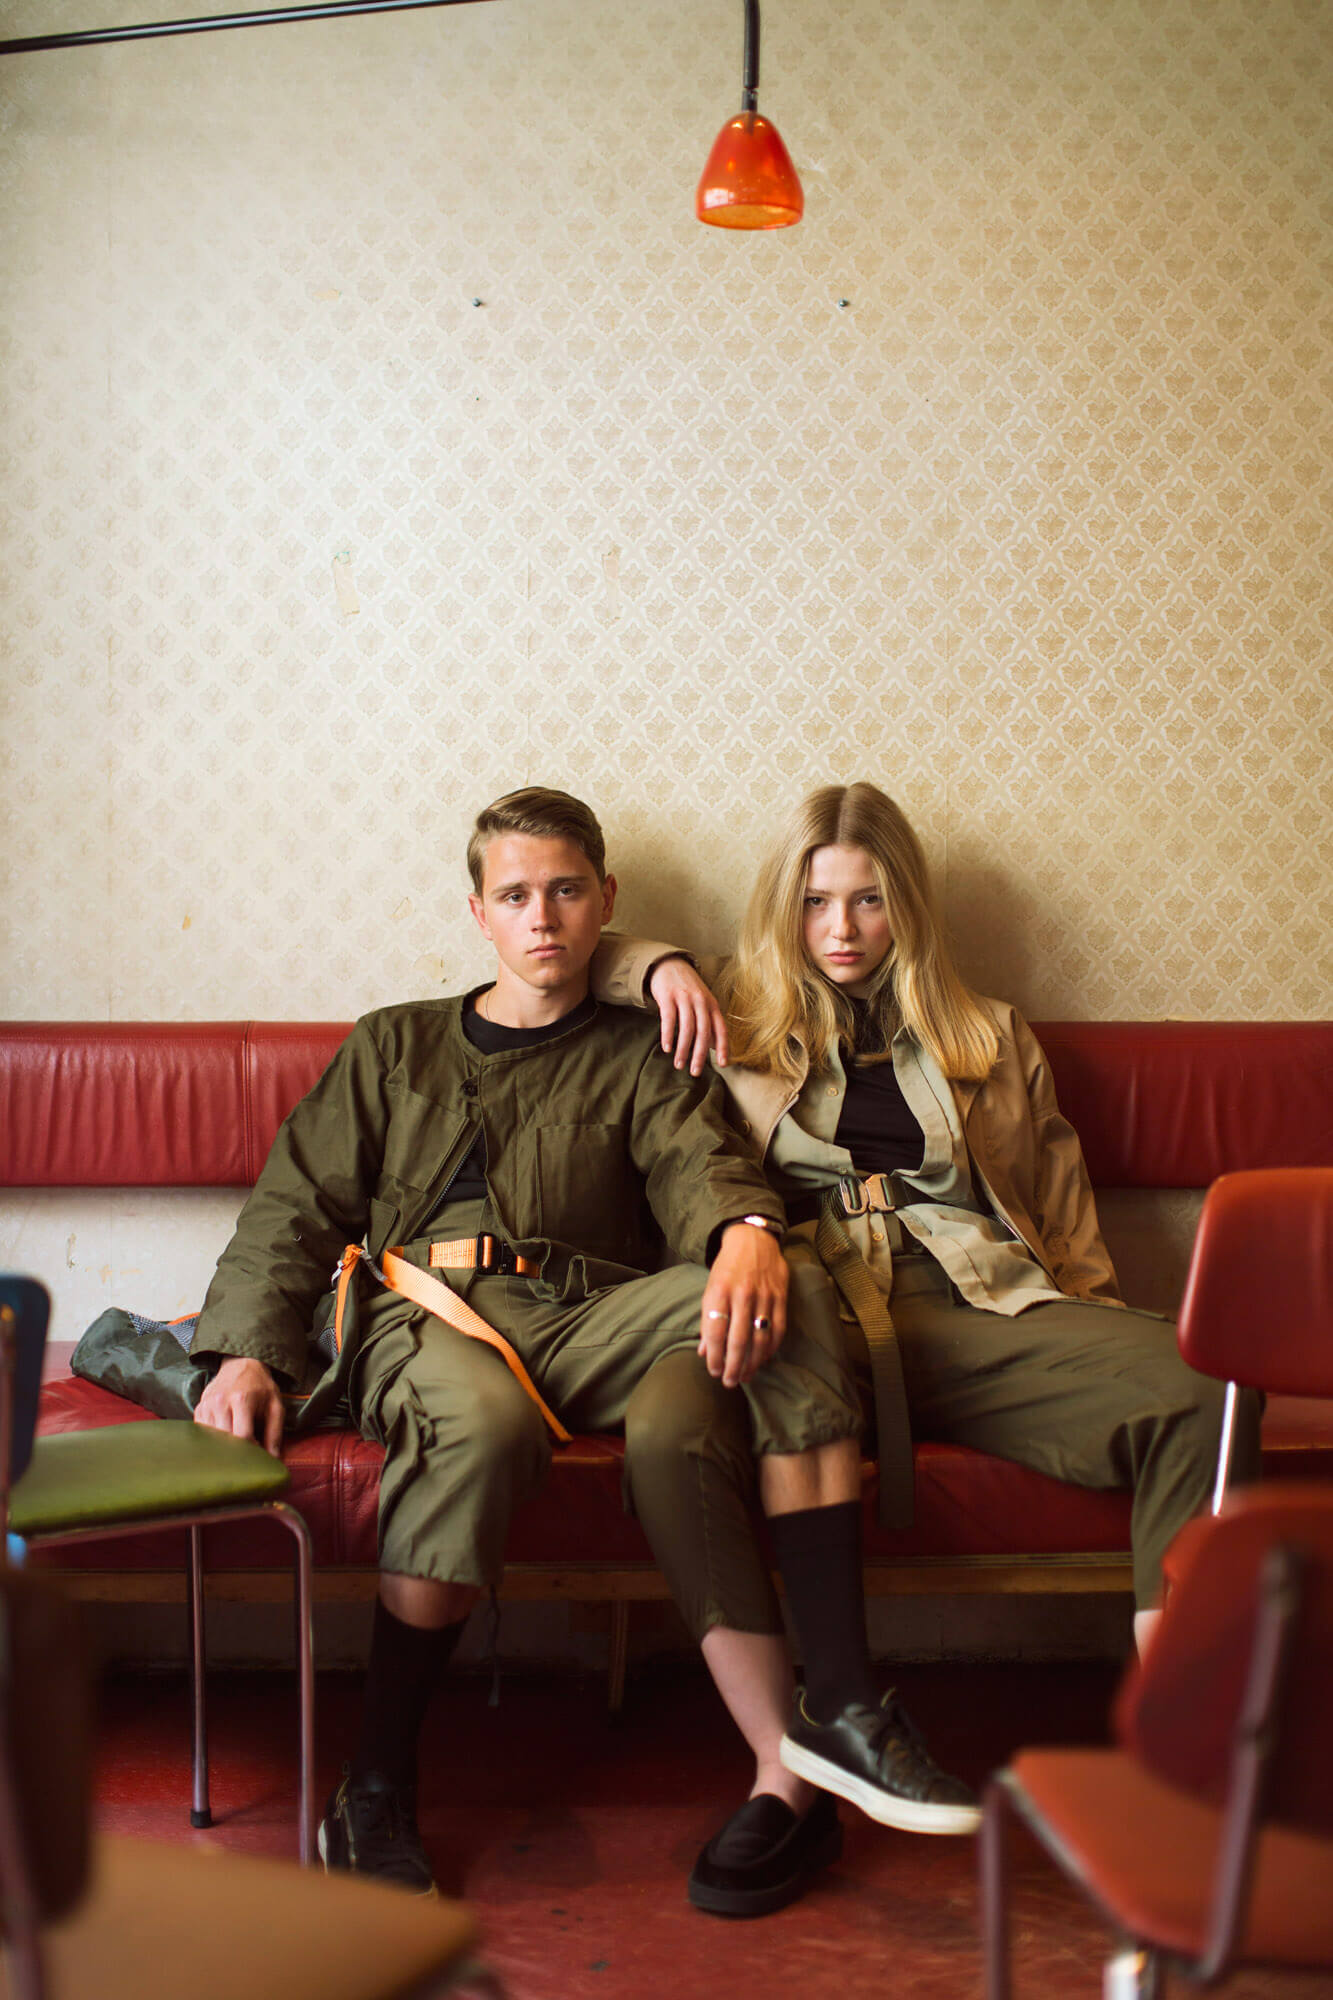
(463, 1446)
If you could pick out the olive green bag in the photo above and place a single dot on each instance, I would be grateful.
(149, 1361)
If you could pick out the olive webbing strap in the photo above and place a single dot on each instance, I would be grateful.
(433, 1297)
(847, 1268)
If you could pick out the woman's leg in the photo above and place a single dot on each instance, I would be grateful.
(1095, 1395)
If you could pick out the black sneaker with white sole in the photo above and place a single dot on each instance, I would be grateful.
(876, 1759)
(370, 1828)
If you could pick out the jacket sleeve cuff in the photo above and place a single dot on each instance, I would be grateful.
(622, 966)
(764, 1208)
(285, 1367)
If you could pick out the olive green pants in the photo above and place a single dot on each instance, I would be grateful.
(1092, 1394)
(465, 1445)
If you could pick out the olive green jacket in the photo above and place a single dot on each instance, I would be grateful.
(591, 1137)
(1025, 1152)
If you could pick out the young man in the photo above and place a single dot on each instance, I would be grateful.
(520, 1142)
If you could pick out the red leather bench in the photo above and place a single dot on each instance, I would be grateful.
(1158, 1105)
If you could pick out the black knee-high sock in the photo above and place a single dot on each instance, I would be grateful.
(406, 1662)
(819, 1553)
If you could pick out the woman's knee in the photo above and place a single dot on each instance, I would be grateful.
(678, 1413)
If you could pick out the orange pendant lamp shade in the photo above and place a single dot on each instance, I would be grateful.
(749, 181)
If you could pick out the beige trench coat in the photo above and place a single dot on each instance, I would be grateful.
(1025, 1154)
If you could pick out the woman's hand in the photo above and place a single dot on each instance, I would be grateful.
(745, 1305)
(243, 1398)
(692, 1021)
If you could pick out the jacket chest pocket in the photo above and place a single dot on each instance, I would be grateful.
(421, 1137)
(588, 1190)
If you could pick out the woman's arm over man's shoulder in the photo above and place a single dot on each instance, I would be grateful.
(638, 972)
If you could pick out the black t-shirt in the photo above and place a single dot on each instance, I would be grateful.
(493, 1039)
(878, 1126)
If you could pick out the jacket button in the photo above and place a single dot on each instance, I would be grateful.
(470, 1086)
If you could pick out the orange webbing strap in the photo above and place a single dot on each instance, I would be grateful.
(433, 1297)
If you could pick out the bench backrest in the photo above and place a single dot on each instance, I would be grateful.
(1158, 1104)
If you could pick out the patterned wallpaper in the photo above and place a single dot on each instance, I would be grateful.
(382, 431)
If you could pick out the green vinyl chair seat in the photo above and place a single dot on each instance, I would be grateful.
(138, 1472)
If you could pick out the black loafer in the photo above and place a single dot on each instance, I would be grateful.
(875, 1757)
(765, 1857)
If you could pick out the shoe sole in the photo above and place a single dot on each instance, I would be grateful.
(909, 1815)
(763, 1902)
(335, 1868)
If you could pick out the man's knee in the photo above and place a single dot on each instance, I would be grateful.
(493, 1435)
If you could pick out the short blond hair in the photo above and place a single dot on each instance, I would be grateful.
(543, 814)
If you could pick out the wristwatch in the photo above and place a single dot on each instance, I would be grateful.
(761, 1222)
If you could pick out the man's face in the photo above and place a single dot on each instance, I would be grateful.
(543, 908)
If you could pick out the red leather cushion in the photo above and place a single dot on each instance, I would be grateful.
(282, 1060)
(967, 1502)
(122, 1104)
(143, 1104)
(150, 1104)
(1175, 1104)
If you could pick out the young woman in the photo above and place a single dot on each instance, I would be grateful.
(912, 1128)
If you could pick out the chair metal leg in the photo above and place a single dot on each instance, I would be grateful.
(200, 1810)
(993, 1857)
(305, 1676)
(1225, 1447)
(619, 1655)
(1133, 1974)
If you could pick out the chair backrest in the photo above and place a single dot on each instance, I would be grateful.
(1258, 1305)
(1181, 1711)
(25, 1308)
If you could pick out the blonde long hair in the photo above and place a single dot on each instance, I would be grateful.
(786, 1017)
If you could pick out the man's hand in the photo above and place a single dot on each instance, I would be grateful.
(244, 1399)
(745, 1305)
(692, 1021)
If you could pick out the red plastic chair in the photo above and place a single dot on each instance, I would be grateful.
(1258, 1306)
(1206, 1837)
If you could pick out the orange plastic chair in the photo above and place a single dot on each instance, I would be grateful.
(1258, 1306)
(1206, 1837)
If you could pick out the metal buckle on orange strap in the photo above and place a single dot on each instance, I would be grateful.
(481, 1253)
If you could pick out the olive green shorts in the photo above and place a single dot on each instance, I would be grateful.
(465, 1445)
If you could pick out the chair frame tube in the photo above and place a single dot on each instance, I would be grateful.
(294, 1522)
(1226, 1446)
(1254, 1736)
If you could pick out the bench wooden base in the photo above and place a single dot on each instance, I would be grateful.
(541, 1583)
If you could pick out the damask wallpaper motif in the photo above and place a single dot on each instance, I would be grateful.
(382, 431)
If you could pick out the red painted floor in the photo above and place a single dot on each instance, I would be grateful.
(571, 1833)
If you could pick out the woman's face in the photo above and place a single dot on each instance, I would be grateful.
(846, 930)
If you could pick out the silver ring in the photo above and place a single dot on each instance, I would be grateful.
(761, 1325)
(718, 1315)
